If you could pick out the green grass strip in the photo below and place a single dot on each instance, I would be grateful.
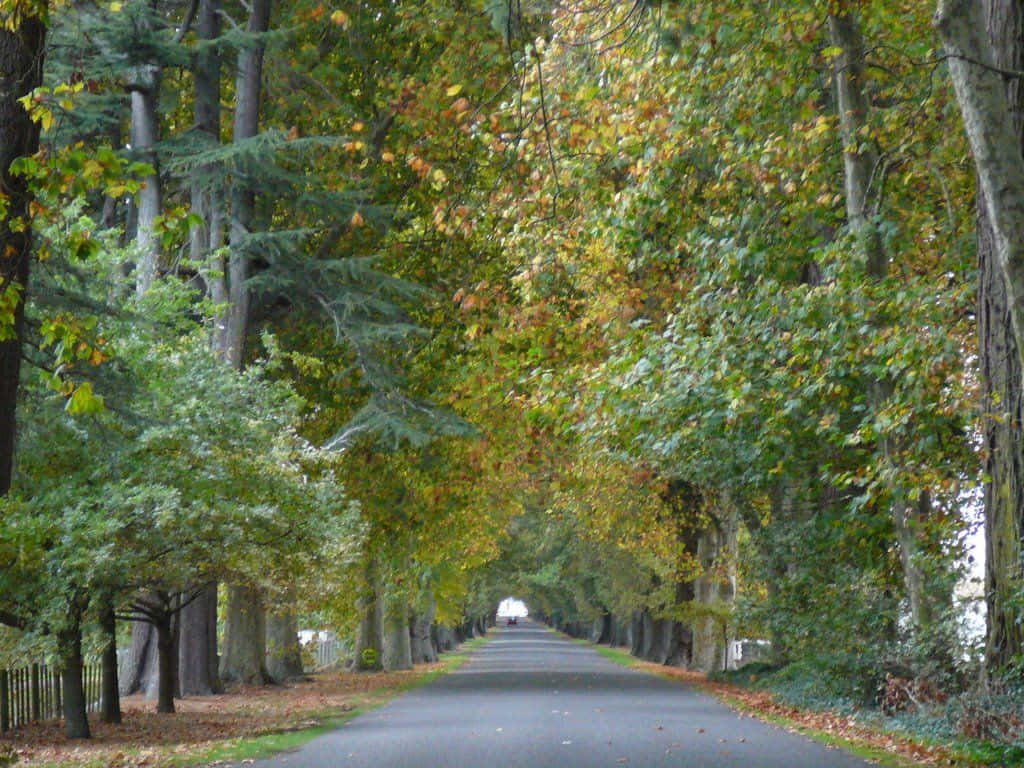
(270, 744)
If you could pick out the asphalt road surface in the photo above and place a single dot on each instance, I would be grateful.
(530, 698)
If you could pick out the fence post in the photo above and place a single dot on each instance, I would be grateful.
(47, 693)
(58, 704)
(19, 683)
(5, 703)
(36, 708)
(16, 691)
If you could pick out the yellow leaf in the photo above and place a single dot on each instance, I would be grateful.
(387, 157)
(340, 18)
(454, 90)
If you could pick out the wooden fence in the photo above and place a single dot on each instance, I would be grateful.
(32, 693)
(320, 653)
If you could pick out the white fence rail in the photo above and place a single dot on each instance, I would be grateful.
(320, 649)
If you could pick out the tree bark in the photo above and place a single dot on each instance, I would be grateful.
(167, 652)
(110, 700)
(636, 634)
(421, 637)
(206, 71)
(994, 142)
(648, 636)
(144, 87)
(1002, 382)
(234, 323)
(397, 641)
(207, 236)
(139, 672)
(369, 651)
(245, 646)
(69, 643)
(244, 654)
(197, 659)
(197, 646)
(444, 638)
(861, 173)
(21, 71)
(284, 656)
(713, 591)
(863, 178)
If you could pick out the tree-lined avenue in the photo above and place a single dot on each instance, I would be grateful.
(529, 697)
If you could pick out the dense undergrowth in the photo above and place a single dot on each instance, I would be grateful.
(982, 723)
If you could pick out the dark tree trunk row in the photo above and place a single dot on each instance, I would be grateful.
(110, 701)
(21, 70)
(69, 649)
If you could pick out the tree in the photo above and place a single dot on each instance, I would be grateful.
(1003, 386)
(22, 41)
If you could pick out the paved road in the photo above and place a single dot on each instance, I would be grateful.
(531, 699)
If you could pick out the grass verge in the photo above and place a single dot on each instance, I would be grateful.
(270, 744)
(247, 724)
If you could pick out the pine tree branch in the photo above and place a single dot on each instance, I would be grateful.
(186, 24)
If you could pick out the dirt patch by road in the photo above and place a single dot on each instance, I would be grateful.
(201, 724)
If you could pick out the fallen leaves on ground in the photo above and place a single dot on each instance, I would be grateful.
(839, 726)
(152, 740)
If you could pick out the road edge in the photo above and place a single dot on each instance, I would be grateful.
(269, 745)
(859, 748)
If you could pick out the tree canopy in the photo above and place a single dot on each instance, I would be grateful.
(687, 324)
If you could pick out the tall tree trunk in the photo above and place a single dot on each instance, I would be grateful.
(144, 87)
(138, 672)
(369, 651)
(423, 649)
(197, 657)
(863, 179)
(601, 632)
(110, 699)
(443, 637)
(714, 590)
(248, 84)
(208, 234)
(69, 647)
(197, 646)
(167, 652)
(284, 656)
(861, 174)
(21, 70)
(145, 135)
(397, 641)
(245, 630)
(636, 633)
(994, 140)
(1003, 386)
(245, 643)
